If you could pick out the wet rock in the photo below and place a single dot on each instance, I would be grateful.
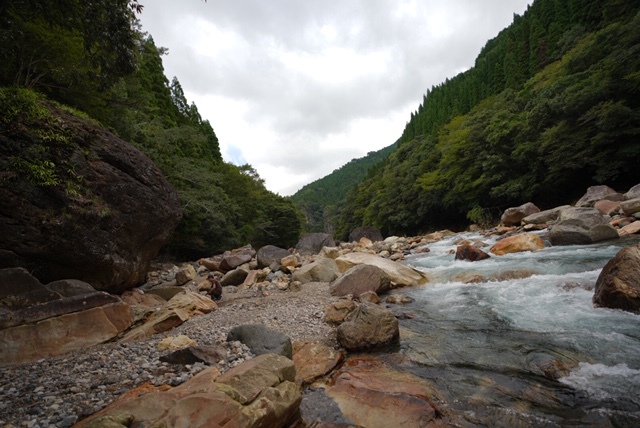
(262, 340)
(517, 243)
(364, 387)
(361, 278)
(314, 360)
(618, 285)
(470, 253)
(368, 326)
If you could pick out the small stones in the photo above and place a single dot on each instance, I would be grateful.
(59, 391)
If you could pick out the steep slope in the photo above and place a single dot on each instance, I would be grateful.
(550, 108)
(321, 200)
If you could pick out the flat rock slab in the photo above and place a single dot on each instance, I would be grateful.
(401, 275)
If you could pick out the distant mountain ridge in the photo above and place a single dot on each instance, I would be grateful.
(320, 200)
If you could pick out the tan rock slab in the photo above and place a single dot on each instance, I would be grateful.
(62, 334)
(314, 360)
(517, 243)
(401, 275)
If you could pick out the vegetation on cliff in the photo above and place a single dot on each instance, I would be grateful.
(321, 200)
(93, 57)
(550, 107)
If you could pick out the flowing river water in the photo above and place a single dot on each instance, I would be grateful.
(527, 347)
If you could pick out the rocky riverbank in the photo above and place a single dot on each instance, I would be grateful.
(57, 392)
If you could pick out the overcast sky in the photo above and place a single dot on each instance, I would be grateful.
(299, 88)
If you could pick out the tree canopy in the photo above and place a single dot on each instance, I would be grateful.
(93, 57)
(550, 107)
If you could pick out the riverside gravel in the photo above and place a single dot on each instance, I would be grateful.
(59, 391)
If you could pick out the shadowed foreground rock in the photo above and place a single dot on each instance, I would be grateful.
(258, 393)
(618, 285)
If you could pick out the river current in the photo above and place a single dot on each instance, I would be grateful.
(526, 347)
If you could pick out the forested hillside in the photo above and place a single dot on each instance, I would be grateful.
(94, 57)
(321, 200)
(551, 106)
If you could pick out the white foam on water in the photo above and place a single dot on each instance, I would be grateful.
(604, 382)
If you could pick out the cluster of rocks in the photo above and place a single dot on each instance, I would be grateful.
(601, 214)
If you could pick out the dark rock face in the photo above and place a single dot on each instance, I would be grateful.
(597, 193)
(312, 243)
(269, 254)
(470, 253)
(618, 285)
(368, 232)
(196, 354)
(103, 224)
(262, 340)
(513, 216)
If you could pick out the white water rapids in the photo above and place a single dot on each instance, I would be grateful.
(490, 345)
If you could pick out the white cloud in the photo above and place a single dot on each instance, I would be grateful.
(298, 89)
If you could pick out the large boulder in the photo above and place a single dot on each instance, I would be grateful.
(544, 217)
(312, 243)
(315, 360)
(618, 285)
(103, 215)
(581, 226)
(513, 216)
(369, 232)
(368, 326)
(598, 193)
(269, 254)
(631, 206)
(633, 193)
(517, 243)
(361, 278)
(261, 392)
(471, 253)
(39, 321)
(323, 270)
(234, 277)
(372, 394)
(261, 340)
(401, 275)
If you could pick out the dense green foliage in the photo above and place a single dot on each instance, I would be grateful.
(551, 107)
(321, 200)
(92, 56)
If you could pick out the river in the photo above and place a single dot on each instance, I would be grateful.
(527, 347)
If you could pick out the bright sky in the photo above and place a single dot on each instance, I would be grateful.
(299, 88)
